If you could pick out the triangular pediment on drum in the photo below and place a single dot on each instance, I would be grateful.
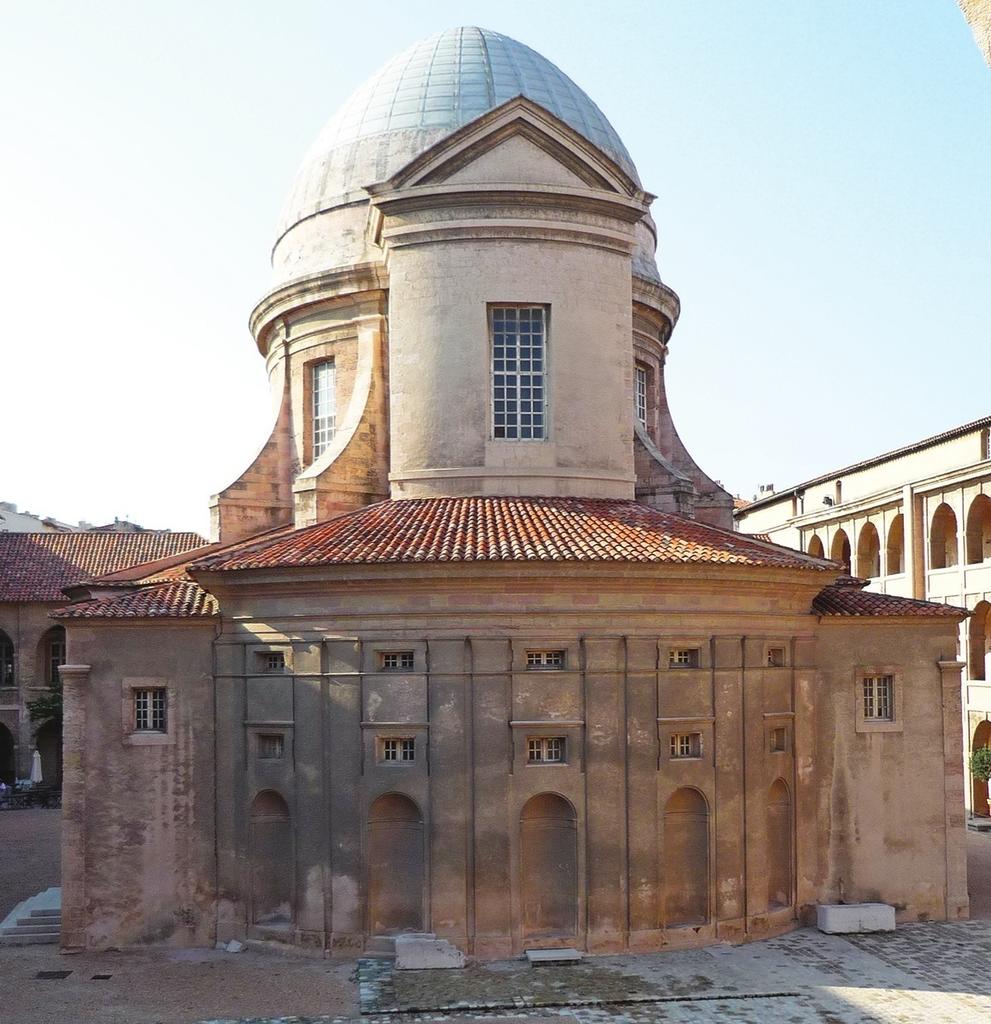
(517, 143)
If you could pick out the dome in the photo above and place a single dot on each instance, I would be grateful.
(422, 95)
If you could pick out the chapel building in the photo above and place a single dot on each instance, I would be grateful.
(475, 650)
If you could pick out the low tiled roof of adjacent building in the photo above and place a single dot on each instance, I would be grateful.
(845, 598)
(37, 566)
(481, 529)
(175, 599)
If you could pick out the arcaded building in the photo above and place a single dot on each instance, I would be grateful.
(475, 650)
(913, 522)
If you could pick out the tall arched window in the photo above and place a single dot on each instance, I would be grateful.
(896, 545)
(271, 858)
(839, 550)
(869, 552)
(816, 549)
(979, 634)
(779, 887)
(686, 859)
(943, 538)
(396, 866)
(549, 867)
(6, 660)
(979, 530)
(51, 654)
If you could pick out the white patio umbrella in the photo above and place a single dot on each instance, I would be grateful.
(36, 776)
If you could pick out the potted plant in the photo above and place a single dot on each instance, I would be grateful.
(980, 766)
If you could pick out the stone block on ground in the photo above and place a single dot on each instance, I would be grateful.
(851, 918)
(553, 956)
(426, 953)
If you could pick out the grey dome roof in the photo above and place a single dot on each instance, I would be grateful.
(425, 93)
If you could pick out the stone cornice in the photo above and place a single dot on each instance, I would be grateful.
(338, 283)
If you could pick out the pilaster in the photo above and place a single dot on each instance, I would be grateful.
(74, 910)
(957, 900)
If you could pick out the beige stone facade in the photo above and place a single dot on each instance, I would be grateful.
(512, 681)
(917, 523)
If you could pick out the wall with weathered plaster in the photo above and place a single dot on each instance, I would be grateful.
(139, 809)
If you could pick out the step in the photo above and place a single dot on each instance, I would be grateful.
(54, 919)
(539, 957)
(47, 939)
(32, 929)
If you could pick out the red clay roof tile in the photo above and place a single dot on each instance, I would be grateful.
(182, 599)
(509, 529)
(846, 599)
(36, 566)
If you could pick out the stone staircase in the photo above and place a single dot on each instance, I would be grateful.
(35, 921)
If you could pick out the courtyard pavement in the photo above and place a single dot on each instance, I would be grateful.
(921, 973)
(30, 854)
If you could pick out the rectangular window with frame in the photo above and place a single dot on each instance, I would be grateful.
(396, 661)
(150, 709)
(544, 659)
(545, 750)
(879, 698)
(519, 339)
(397, 749)
(778, 739)
(775, 657)
(685, 745)
(641, 394)
(323, 384)
(271, 746)
(683, 657)
(271, 661)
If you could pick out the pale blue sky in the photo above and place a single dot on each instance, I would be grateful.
(822, 173)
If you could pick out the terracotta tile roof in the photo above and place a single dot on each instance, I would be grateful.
(36, 566)
(171, 599)
(847, 599)
(509, 529)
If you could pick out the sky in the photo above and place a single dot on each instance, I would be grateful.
(822, 176)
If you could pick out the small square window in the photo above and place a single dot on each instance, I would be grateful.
(686, 745)
(544, 659)
(879, 698)
(775, 657)
(545, 750)
(778, 739)
(396, 661)
(149, 710)
(271, 747)
(398, 749)
(271, 661)
(683, 657)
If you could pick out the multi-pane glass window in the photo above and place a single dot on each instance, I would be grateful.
(879, 698)
(6, 661)
(518, 357)
(54, 654)
(683, 657)
(545, 749)
(149, 709)
(271, 747)
(641, 395)
(396, 661)
(272, 661)
(545, 659)
(323, 384)
(399, 748)
(686, 744)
